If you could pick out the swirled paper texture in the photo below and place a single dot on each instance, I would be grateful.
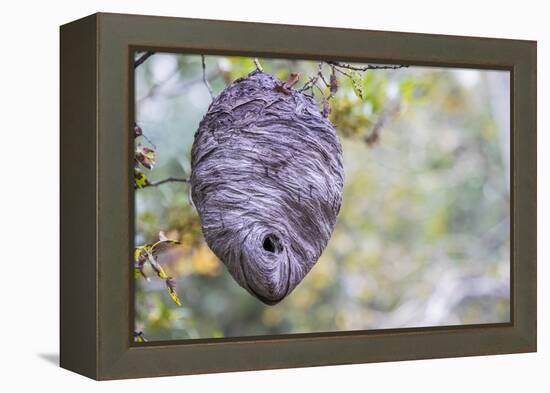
(267, 179)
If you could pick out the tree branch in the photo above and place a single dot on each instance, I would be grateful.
(142, 59)
(312, 81)
(205, 79)
(167, 180)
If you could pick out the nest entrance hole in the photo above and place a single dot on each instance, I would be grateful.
(272, 244)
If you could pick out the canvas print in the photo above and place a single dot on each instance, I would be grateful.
(282, 196)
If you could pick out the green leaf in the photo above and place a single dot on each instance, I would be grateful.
(140, 179)
(357, 84)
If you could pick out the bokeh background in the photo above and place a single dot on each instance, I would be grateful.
(422, 238)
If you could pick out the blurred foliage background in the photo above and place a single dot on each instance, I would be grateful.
(422, 238)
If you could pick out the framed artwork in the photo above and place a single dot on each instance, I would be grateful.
(241, 196)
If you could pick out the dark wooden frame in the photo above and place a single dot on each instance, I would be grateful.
(97, 196)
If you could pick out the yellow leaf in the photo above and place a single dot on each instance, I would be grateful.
(139, 337)
(139, 178)
(138, 251)
(173, 295)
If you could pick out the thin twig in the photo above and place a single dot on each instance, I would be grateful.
(142, 59)
(343, 72)
(310, 83)
(367, 67)
(321, 76)
(205, 80)
(139, 336)
(149, 140)
(342, 68)
(138, 131)
(320, 90)
(314, 79)
(258, 65)
(168, 180)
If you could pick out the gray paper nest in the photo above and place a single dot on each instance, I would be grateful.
(267, 180)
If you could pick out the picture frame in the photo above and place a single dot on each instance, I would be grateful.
(96, 273)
